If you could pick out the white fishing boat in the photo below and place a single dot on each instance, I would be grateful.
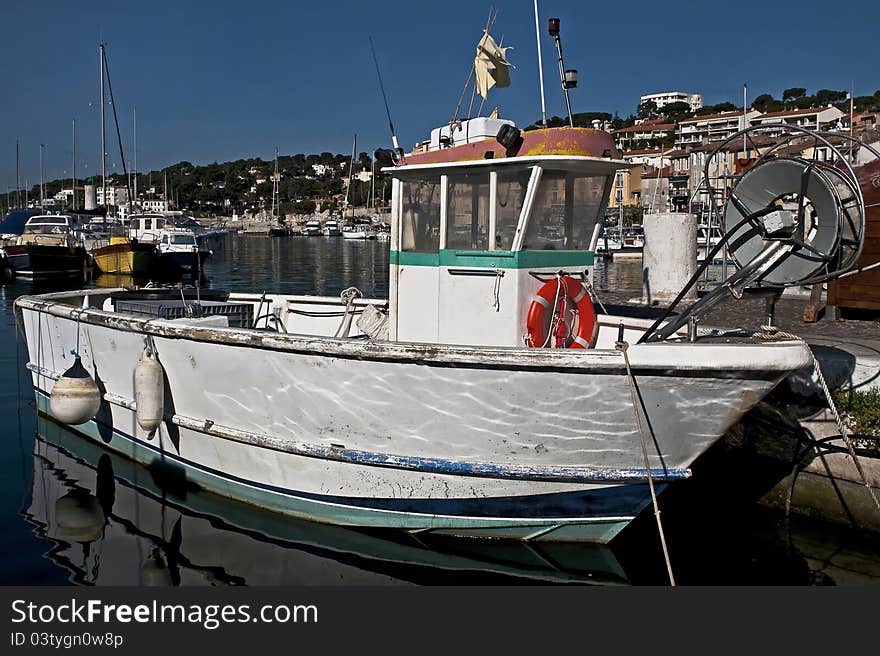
(313, 228)
(359, 231)
(179, 248)
(486, 396)
(331, 228)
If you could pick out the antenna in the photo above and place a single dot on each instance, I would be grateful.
(540, 69)
(385, 99)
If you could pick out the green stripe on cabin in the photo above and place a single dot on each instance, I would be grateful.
(494, 259)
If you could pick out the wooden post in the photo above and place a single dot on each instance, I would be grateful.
(811, 310)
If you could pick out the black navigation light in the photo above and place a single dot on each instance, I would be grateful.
(553, 26)
(571, 78)
(508, 136)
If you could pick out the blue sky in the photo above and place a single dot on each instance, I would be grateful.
(220, 80)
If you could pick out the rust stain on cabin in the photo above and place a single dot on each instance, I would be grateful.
(569, 142)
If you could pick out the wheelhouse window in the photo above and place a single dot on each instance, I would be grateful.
(420, 220)
(565, 210)
(510, 193)
(467, 212)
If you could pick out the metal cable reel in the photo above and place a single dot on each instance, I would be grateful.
(788, 220)
(814, 208)
(809, 212)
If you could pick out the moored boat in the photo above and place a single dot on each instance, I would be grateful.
(484, 397)
(312, 228)
(126, 256)
(48, 247)
(179, 248)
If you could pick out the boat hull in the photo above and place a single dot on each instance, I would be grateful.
(183, 260)
(39, 261)
(504, 444)
(132, 259)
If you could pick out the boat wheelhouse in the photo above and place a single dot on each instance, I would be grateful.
(484, 233)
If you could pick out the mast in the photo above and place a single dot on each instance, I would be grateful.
(17, 174)
(350, 171)
(540, 68)
(371, 204)
(103, 132)
(42, 193)
(134, 200)
(275, 186)
(73, 170)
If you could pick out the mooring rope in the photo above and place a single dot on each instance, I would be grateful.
(841, 425)
(622, 347)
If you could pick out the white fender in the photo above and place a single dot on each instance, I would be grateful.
(75, 397)
(149, 392)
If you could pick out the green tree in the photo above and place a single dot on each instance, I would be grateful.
(793, 94)
(827, 96)
(647, 109)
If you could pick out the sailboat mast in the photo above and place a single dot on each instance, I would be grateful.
(372, 202)
(17, 174)
(103, 132)
(275, 186)
(350, 171)
(42, 193)
(73, 170)
(135, 139)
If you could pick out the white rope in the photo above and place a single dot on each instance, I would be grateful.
(622, 347)
(841, 425)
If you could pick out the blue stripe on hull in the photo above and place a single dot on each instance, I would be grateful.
(580, 516)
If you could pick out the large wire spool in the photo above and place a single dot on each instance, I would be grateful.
(815, 208)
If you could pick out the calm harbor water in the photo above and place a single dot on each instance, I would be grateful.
(74, 513)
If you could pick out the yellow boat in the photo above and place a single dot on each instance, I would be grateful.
(124, 255)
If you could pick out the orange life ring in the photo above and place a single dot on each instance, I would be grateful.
(542, 309)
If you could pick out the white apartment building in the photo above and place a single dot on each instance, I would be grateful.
(695, 100)
(811, 119)
(643, 132)
(116, 196)
(322, 169)
(711, 127)
(154, 205)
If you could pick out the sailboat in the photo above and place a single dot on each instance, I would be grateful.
(363, 228)
(122, 255)
(276, 228)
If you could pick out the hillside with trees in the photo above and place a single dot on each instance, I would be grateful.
(307, 183)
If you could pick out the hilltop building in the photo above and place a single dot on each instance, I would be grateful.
(695, 100)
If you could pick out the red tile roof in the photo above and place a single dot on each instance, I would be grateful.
(644, 127)
(711, 117)
(794, 112)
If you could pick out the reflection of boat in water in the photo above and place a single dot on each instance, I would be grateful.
(117, 523)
